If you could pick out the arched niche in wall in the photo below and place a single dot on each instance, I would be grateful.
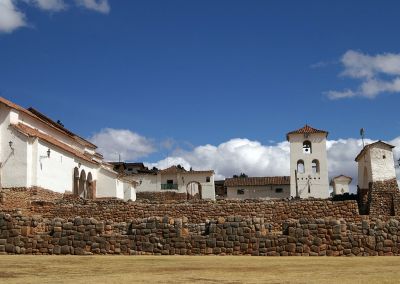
(300, 167)
(75, 189)
(315, 166)
(89, 186)
(82, 184)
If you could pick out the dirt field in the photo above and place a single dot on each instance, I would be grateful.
(205, 269)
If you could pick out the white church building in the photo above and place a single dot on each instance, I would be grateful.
(35, 151)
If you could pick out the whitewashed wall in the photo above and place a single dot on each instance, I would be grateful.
(207, 188)
(107, 185)
(146, 182)
(129, 192)
(382, 163)
(258, 192)
(341, 185)
(14, 163)
(364, 171)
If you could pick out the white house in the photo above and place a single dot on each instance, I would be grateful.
(340, 184)
(375, 163)
(195, 184)
(258, 187)
(308, 163)
(35, 151)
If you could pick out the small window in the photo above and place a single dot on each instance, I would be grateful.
(278, 190)
(240, 191)
(170, 181)
(208, 179)
(384, 157)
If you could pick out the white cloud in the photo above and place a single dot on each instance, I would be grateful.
(233, 157)
(10, 17)
(49, 5)
(100, 6)
(377, 74)
(128, 144)
(255, 159)
(335, 95)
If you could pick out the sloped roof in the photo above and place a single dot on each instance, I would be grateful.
(60, 127)
(369, 146)
(44, 119)
(306, 129)
(258, 181)
(175, 170)
(31, 132)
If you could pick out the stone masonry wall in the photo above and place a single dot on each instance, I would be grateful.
(169, 236)
(21, 197)
(160, 196)
(274, 212)
(382, 198)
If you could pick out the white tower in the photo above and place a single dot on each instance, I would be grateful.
(308, 163)
(375, 163)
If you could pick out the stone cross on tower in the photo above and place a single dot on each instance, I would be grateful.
(308, 163)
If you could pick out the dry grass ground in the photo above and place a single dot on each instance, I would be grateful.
(205, 269)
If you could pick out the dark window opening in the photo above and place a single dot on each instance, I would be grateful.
(278, 190)
(208, 179)
(240, 191)
(170, 181)
(307, 147)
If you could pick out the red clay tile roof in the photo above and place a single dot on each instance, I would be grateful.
(60, 127)
(257, 181)
(44, 119)
(175, 169)
(366, 147)
(306, 130)
(342, 176)
(31, 132)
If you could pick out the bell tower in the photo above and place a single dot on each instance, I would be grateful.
(308, 163)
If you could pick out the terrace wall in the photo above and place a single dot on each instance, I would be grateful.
(169, 236)
(274, 212)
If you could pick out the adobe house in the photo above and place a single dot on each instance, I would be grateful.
(258, 187)
(377, 185)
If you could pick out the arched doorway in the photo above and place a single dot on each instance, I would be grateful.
(193, 190)
(82, 184)
(89, 186)
(75, 189)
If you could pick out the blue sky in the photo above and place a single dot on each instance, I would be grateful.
(191, 73)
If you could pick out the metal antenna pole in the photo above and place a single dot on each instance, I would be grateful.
(362, 133)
